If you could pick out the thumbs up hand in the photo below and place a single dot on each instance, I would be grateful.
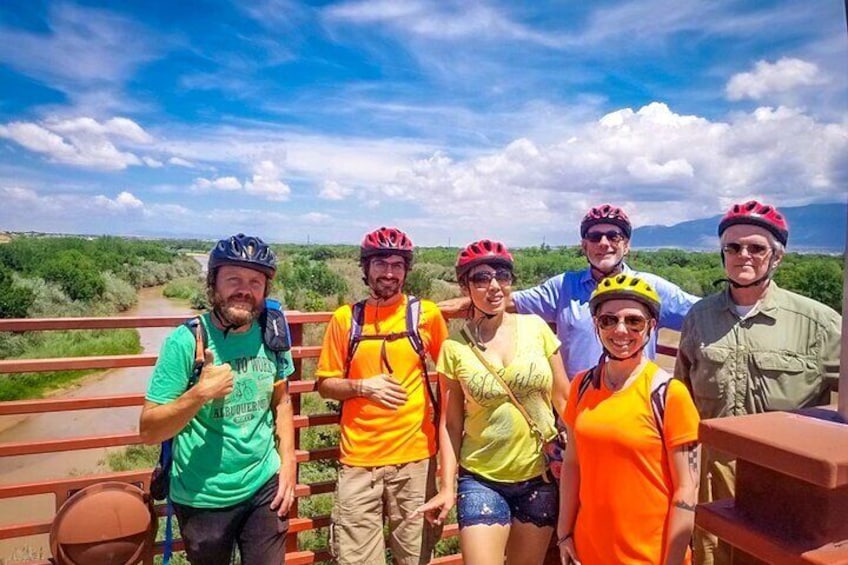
(216, 381)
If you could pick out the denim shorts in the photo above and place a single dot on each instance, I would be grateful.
(481, 501)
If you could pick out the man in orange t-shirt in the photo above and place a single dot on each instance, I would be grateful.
(388, 433)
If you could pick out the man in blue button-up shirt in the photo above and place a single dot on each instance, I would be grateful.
(564, 299)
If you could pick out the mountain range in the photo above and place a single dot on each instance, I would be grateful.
(813, 228)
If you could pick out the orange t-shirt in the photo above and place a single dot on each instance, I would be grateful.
(372, 435)
(625, 482)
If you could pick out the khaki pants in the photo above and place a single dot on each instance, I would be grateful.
(365, 496)
(718, 481)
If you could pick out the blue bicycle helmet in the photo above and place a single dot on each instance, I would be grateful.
(245, 251)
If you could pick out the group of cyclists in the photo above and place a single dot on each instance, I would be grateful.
(575, 436)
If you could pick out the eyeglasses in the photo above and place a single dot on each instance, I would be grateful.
(754, 249)
(613, 236)
(632, 323)
(484, 278)
(381, 265)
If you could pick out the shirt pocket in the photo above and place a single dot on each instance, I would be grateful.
(709, 377)
(785, 380)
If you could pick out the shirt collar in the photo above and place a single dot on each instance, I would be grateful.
(586, 278)
(767, 306)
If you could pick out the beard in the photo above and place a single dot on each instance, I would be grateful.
(384, 288)
(238, 310)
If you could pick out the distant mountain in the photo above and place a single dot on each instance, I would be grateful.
(816, 227)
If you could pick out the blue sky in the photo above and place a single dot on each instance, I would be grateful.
(451, 120)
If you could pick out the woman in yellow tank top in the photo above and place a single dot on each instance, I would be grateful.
(498, 383)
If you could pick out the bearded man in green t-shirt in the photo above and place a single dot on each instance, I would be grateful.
(230, 484)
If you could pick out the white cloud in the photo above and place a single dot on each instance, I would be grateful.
(638, 159)
(152, 163)
(114, 127)
(331, 190)
(82, 48)
(315, 218)
(220, 183)
(767, 78)
(440, 20)
(266, 182)
(86, 142)
(179, 162)
(646, 171)
(123, 202)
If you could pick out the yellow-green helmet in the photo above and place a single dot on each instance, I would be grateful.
(628, 287)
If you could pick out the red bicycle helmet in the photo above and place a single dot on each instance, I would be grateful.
(386, 241)
(606, 214)
(756, 214)
(483, 251)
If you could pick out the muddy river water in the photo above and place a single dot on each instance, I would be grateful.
(37, 427)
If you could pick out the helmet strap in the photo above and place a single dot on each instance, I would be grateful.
(763, 280)
(225, 323)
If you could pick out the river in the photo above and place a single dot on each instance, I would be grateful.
(57, 425)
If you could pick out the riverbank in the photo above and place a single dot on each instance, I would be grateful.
(59, 425)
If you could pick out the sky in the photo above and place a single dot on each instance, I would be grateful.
(453, 120)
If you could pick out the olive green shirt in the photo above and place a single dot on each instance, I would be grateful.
(776, 358)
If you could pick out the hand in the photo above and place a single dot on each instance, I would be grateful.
(436, 509)
(567, 552)
(384, 390)
(285, 490)
(455, 307)
(215, 381)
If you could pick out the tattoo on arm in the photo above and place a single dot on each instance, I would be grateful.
(692, 458)
(684, 506)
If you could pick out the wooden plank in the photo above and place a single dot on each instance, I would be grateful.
(111, 361)
(293, 317)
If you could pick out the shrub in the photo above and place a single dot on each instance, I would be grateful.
(15, 300)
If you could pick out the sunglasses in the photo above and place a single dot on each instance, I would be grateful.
(632, 323)
(613, 236)
(484, 278)
(754, 249)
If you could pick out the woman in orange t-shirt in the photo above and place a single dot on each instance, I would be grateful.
(630, 471)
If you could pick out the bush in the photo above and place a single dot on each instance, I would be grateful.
(75, 274)
(15, 300)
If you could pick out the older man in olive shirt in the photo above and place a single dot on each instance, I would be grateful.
(754, 347)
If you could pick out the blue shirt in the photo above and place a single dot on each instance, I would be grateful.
(564, 300)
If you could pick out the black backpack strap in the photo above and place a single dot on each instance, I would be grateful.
(659, 394)
(413, 322)
(357, 318)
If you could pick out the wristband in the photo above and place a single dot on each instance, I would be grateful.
(564, 538)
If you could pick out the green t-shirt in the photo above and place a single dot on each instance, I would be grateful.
(497, 441)
(227, 451)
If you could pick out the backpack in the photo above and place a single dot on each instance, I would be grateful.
(413, 319)
(275, 336)
(658, 394)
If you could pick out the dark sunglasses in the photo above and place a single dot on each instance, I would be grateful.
(632, 323)
(754, 249)
(484, 278)
(613, 236)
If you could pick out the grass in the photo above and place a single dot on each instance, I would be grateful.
(64, 344)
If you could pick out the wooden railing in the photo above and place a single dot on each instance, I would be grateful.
(61, 488)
